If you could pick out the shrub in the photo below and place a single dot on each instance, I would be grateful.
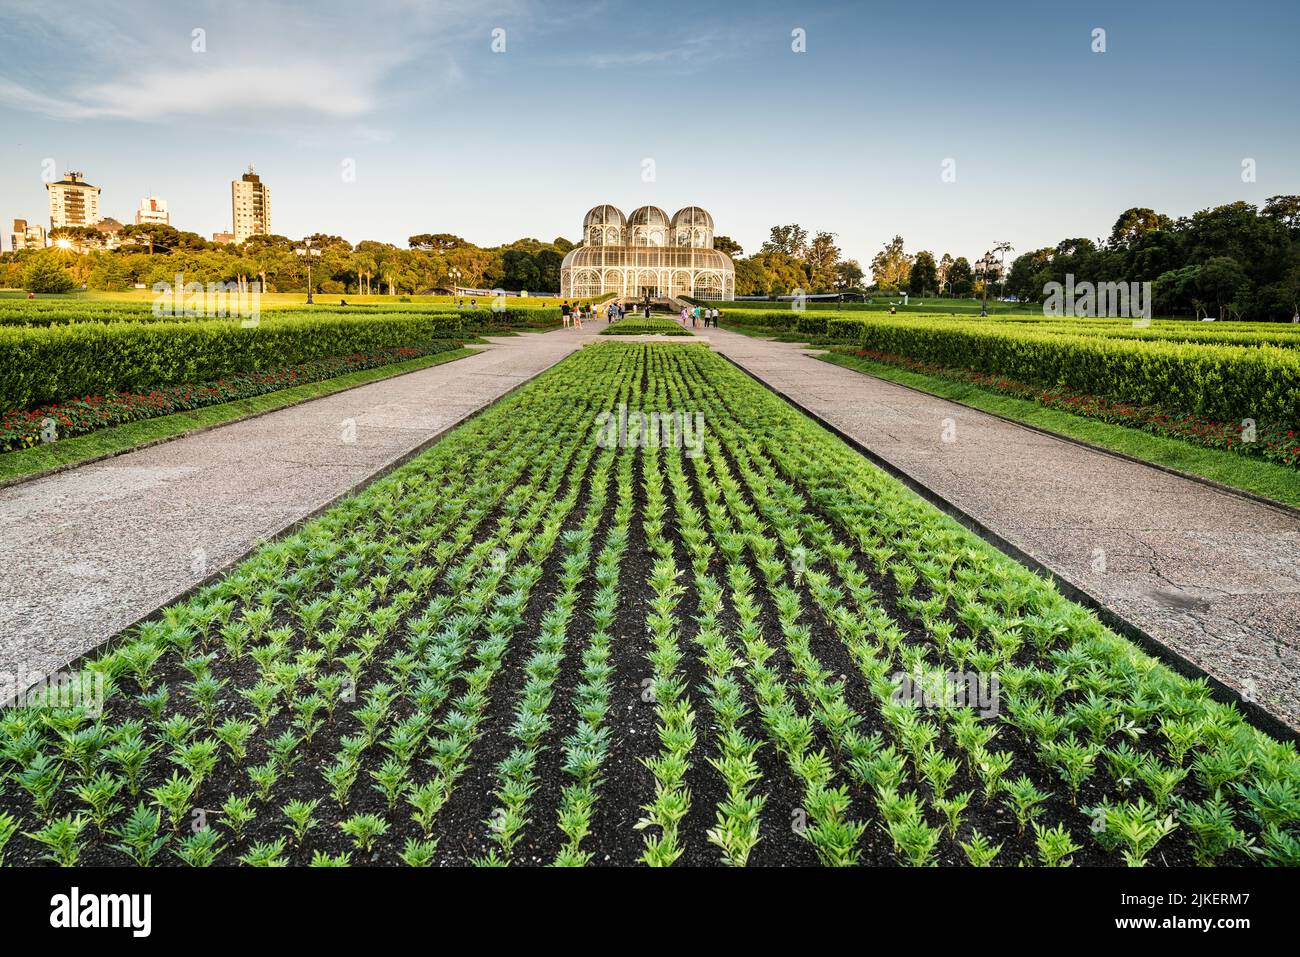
(45, 274)
(46, 364)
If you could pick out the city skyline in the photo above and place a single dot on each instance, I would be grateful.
(409, 122)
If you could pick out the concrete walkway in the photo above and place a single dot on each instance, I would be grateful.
(86, 552)
(1213, 576)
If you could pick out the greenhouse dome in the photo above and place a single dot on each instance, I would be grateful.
(647, 254)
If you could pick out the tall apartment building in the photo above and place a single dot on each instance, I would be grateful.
(73, 202)
(250, 202)
(27, 235)
(152, 210)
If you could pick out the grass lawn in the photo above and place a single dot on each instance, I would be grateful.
(123, 438)
(1253, 475)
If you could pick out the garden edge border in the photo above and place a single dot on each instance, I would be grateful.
(382, 472)
(1290, 510)
(1254, 713)
(200, 429)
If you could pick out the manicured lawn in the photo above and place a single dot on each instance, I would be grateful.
(1277, 482)
(126, 437)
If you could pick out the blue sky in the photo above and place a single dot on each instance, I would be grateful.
(1049, 139)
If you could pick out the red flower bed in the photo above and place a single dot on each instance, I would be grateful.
(23, 429)
(1272, 441)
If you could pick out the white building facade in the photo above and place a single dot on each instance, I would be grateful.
(647, 254)
(27, 235)
(73, 202)
(153, 211)
(250, 206)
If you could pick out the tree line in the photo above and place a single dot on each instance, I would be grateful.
(150, 254)
(1233, 261)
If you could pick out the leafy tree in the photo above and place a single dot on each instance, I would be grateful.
(891, 266)
(924, 278)
(820, 261)
(44, 273)
(962, 278)
(1223, 280)
(789, 240)
(729, 246)
(848, 275)
(1134, 223)
(108, 274)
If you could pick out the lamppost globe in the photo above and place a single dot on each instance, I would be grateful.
(309, 252)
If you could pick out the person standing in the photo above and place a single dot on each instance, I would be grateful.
(564, 314)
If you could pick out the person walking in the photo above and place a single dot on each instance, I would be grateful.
(564, 313)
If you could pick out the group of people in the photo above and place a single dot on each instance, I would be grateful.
(576, 313)
(696, 314)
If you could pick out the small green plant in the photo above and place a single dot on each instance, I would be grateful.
(991, 766)
(301, 819)
(238, 813)
(8, 827)
(234, 734)
(1055, 845)
(131, 754)
(41, 779)
(321, 859)
(200, 849)
(364, 829)
(98, 795)
(1135, 825)
(952, 809)
(1024, 798)
(138, 836)
(62, 838)
(419, 853)
(266, 854)
(1213, 829)
(174, 796)
(980, 852)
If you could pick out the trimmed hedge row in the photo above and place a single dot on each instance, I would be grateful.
(1218, 381)
(59, 314)
(48, 363)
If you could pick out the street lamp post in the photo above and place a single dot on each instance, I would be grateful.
(454, 275)
(987, 263)
(1002, 248)
(308, 251)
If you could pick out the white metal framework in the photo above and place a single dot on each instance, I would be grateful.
(647, 254)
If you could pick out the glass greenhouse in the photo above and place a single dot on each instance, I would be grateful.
(647, 253)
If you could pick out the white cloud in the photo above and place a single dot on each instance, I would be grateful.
(331, 59)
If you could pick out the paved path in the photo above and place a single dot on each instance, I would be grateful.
(1214, 576)
(88, 551)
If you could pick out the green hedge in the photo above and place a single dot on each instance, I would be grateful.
(50, 363)
(1219, 381)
